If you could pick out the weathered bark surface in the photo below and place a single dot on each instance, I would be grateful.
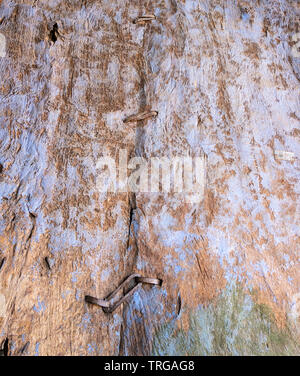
(224, 80)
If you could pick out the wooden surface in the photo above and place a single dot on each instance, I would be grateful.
(225, 84)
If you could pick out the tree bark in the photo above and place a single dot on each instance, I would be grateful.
(223, 77)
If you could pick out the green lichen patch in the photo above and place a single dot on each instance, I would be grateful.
(232, 325)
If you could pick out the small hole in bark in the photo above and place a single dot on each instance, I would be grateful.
(53, 33)
(2, 263)
(1, 168)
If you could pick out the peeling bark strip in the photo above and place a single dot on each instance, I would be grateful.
(100, 302)
(144, 19)
(141, 116)
(126, 289)
(149, 281)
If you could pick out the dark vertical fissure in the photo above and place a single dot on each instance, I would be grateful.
(5, 348)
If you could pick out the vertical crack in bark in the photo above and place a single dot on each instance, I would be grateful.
(132, 195)
(47, 263)
(2, 261)
(139, 148)
(132, 208)
(30, 234)
(178, 306)
(24, 348)
(5, 348)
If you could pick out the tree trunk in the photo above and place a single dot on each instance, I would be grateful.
(223, 77)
